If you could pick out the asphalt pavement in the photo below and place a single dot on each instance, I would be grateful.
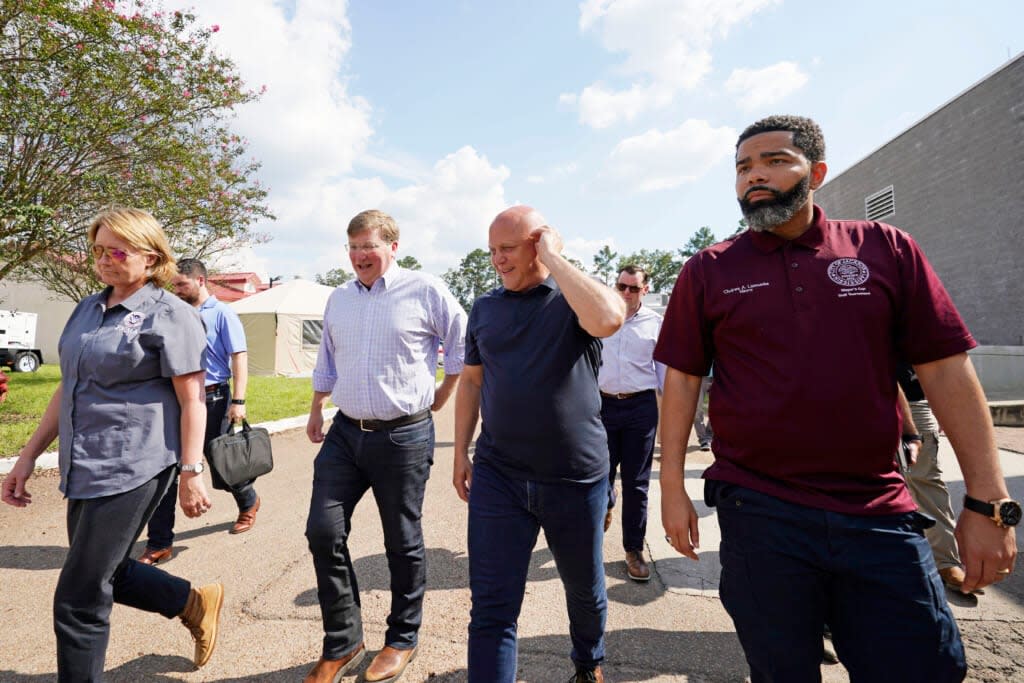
(672, 628)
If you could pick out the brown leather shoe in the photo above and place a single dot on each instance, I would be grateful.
(608, 519)
(389, 664)
(331, 670)
(156, 556)
(954, 577)
(588, 675)
(246, 519)
(636, 567)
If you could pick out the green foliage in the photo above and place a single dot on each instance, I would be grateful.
(701, 239)
(604, 264)
(267, 398)
(116, 103)
(409, 262)
(335, 277)
(474, 276)
(740, 227)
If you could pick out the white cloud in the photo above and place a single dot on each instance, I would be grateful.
(659, 160)
(307, 124)
(755, 89)
(601, 107)
(312, 135)
(441, 218)
(554, 173)
(666, 46)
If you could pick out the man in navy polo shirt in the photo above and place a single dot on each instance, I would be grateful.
(805, 319)
(533, 351)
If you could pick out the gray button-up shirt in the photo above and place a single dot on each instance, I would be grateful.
(120, 422)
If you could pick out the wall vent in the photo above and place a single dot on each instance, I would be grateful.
(880, 204)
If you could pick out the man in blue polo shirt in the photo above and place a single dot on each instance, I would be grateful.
(805, 319)
(226, 359)
(533, 351)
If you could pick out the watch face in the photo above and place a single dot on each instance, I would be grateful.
(1010, 513)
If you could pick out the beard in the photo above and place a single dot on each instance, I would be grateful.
(765, 215)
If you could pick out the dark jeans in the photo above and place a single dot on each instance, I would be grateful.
(631, 424)
(395, 465)
(505, 516)
(98, 572)
(161, 525)
(788, 569)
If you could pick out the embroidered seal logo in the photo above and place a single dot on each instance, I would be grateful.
(848, 272)
(131, 324)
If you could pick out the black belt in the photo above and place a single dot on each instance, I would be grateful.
(626, 395)
(211, 388)
(381, 425)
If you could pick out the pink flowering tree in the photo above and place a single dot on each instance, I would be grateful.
(104, 103)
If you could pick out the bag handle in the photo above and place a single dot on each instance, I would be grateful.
(245, 427)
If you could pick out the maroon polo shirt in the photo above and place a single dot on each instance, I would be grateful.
(805, 336)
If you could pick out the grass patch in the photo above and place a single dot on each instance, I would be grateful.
(267, 399)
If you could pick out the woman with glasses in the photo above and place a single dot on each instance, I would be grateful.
(128, 410)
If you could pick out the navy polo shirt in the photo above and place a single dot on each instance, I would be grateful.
(805, 336)
(539, 403)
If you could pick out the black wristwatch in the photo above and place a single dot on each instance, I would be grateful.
(238, 401)
(1004, 512)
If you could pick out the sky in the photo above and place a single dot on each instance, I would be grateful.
(616, 119)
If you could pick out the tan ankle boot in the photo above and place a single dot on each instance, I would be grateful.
(201, 616)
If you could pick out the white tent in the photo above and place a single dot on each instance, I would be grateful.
(283, 326)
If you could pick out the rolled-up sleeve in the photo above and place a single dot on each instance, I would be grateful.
(452, 331)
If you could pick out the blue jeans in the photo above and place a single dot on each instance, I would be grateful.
(505, 516)
(788, 569)
(98, 572)
(161, 525)
(395, 465)
(631, 424)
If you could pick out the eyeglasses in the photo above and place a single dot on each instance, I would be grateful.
(622, 287)
(118, 255)
(369, 246)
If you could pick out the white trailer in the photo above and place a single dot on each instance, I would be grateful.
(18, 341)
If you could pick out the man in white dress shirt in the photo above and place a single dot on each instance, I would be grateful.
(630, 381)
(377, 363)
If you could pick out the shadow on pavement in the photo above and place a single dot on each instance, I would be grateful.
(637, 654)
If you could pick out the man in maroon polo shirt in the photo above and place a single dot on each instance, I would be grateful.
(804, 319)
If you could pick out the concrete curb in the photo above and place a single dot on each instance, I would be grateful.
(48, 460)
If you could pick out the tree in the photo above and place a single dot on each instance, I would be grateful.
(701, 239)
(603, 264)
(474, 276)
(740, 227)
(335, 277)
(409, 262)
(101, 107)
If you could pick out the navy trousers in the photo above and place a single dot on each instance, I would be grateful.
(98, 572)
(632, 424)
(505, 516)
(395, 465)
(788, 569)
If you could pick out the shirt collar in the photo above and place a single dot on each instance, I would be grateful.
(546, 285)
(388, 279)
(210, 302)
(142, 296)
(812, 238)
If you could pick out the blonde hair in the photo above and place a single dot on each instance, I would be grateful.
(372, 218)
(141, 231)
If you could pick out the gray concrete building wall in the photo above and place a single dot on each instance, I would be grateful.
(53, 313)
(958, 181)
